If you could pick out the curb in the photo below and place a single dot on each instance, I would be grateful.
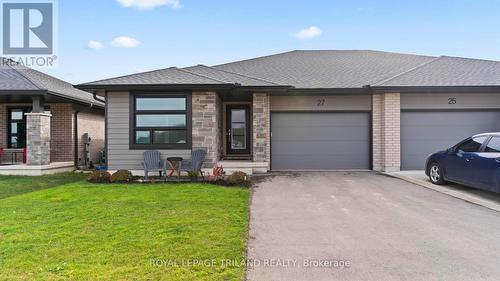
(449, 191)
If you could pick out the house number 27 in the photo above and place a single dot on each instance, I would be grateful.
(321, 102)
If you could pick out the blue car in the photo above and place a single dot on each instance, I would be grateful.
(473, 162)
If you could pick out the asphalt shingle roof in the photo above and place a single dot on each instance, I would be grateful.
(450, 71)
(172, 75)
(15, 77)
(228, 77)
(328, 69)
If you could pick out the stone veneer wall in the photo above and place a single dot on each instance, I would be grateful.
(261, 128)
(38, 138)
(206, 119)
(386, 132)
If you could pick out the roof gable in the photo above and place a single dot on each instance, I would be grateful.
(15, 77)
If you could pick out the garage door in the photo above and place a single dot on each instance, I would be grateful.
(423, 133)
(320, 141)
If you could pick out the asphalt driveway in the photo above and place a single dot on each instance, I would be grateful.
(365, 226)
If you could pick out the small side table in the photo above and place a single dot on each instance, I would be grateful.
(15, 156)
(174, 165)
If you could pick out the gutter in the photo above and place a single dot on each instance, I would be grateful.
(98, 99)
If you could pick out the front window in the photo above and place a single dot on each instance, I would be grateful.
(161, 121)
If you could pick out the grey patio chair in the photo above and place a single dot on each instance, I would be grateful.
(152, 163)
(195, 163)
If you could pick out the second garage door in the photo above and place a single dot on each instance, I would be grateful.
(423, 133)
(320, 141)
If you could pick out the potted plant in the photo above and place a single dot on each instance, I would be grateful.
(193, 175)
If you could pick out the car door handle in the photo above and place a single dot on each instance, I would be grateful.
(498, 159)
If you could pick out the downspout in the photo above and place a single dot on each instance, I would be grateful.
(75, 137)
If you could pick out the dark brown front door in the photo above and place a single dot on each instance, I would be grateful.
(238, 129)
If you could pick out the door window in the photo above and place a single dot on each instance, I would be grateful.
(238, 129)
(493, 145)
(472, 145)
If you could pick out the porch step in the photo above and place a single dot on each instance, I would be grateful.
(248, 167)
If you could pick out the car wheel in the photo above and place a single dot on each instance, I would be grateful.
(436, 174)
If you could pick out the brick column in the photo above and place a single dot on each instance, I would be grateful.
(205, 125)
(387, 132)
(38, 139)
(3, 126)
(261, 128)
(62, 132)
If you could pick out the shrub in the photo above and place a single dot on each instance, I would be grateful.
(100, 177)
(237, 178)
(122, 176)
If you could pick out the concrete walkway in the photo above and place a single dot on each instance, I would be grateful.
(486, 199)
(364, 226)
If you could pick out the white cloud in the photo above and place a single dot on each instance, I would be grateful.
(308, 33)
(95, 45)
(149, 4)
(125, 42)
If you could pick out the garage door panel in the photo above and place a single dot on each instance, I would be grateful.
(321, 162)
(423, 133)
(320, 141)
(318, 147)
(319, 134)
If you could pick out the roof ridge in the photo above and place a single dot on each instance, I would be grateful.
(455, 57)
(204, 76)
(272, 55)
(132, 74)
(23, 75)
(240, 74)
(381, 82)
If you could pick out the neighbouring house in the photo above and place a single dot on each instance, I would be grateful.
(43, 122)
(302, 110)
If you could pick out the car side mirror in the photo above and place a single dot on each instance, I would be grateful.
(451, 151)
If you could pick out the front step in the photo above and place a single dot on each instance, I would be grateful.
(248, 167)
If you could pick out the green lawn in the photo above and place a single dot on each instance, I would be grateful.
(14, 185)
(82, 231)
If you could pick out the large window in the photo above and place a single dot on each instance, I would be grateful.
(160, 121)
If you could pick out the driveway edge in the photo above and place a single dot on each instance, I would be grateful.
(447, 191)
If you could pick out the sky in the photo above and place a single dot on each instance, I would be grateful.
(99, 39)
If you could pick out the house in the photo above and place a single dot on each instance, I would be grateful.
(43, 121)
(302, 110)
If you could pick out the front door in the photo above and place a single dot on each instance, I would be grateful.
(238, 129)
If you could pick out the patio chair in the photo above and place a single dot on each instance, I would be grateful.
(152, 163)
(195, 163)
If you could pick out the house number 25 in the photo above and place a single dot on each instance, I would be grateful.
(321, 102)
(452, 100)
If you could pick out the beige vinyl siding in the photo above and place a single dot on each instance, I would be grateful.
(321, 103)
(120, 156)
(450, 101)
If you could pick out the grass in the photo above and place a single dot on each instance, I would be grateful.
(82, 231)
(15, 185)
